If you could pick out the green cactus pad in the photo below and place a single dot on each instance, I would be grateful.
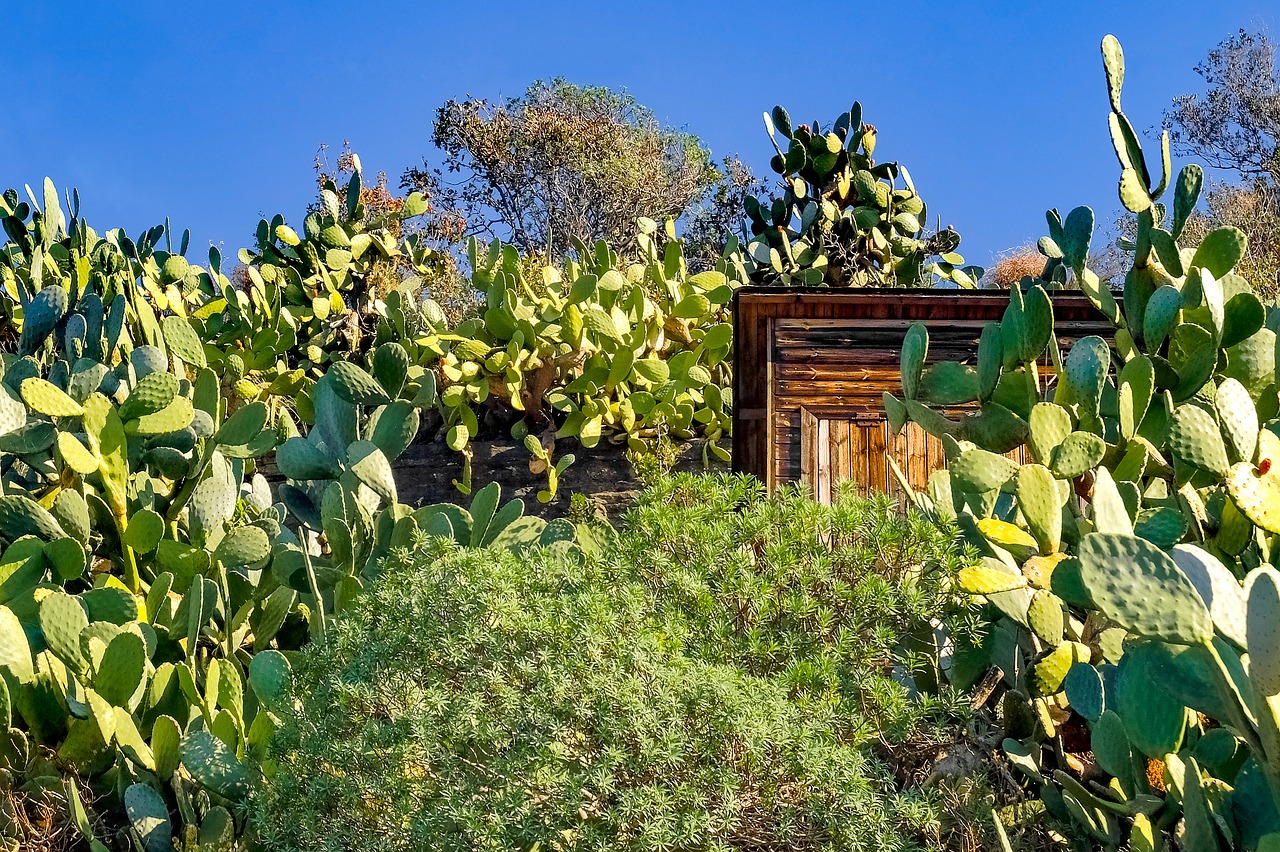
(41, 316)
(915, 349)
(1110, 743)
(269, 677)
(1252, 361)
(153, 393)
(1217, 587)
(1161, 316)
(1026, 326)
(1085, 693)
(1155, 724)
(1110, 515)
(1238, 418)
(183, 341)
(393, 427)
(243, 547)
(46, 398)
(990, 360)
(352, 384)
(1163, 526)
(371, 467)
(1041, 503)
(948, 383)
(1220, 251)
(62, 620)
(1078, 452)
(1086, 368)
(391, 367)
(214, 766)
(15, 652)
(1138, 586)
(1049, 426)
(300, 459)
(177, 415)
(977, 471)
(149, 815)
(20, 515)
(122, 668)
(111, 605)
(929, 420)
(1194, 437)
(1045, 616)
(1262, 629)
(1136, 384)
(72, 514)
(994, 427)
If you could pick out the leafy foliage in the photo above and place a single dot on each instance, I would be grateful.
(654, 697)
(1128, 563)
(562, 163)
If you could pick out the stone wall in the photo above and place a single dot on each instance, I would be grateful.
(426, 471)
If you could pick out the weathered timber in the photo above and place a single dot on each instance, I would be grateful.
(812, 365)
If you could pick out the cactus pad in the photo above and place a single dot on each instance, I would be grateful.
(122, 668)
(20, 515)
(152, 393)
(1194, 437)
(1041, 503)
(177, 415)
(62, 620)
(243, 547)
(1078, 452)
(352, 384)
(989, 577)
(1238, 417)
(1138, 586)
(1049, 426)
(148, 814)
(1085, 693)
(977, 471)
(183, 341)
(1263, 629)
(1052, 669)
(47, 398)
(1217, 587)
(299, 459)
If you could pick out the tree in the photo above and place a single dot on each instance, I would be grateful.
(565, 161)
(1235, 126)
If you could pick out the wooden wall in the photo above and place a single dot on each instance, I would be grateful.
(812, 365)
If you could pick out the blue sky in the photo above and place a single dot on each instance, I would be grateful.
(211, 113)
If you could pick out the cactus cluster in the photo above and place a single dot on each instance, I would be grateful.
(1130, 559)
(152, 586)
(843, 220)
(594, 350)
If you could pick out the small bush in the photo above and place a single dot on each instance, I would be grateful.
(719, 679)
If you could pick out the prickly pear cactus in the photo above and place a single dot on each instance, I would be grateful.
(1128, 566)
(843, 219)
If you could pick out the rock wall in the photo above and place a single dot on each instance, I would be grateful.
(426, 471)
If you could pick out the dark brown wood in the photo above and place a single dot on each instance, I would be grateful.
(812, 365)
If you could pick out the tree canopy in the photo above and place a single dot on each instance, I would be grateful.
(564, 161)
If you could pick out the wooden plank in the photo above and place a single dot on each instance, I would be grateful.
(823, 475)
(840, 464)
(877, 469)
(858, 454)
(809, 451)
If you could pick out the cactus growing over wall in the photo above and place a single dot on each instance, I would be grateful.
(842, 219)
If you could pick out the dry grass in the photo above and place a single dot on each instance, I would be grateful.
(1014, 265)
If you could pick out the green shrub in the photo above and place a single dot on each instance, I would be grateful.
(704, 684)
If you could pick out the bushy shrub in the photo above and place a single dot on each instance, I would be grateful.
(717, 679)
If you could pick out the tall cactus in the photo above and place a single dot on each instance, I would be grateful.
(1130, 560)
